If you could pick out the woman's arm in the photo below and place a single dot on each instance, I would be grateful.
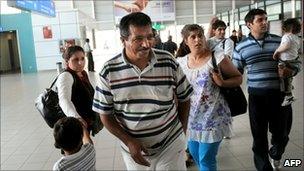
(64, 85)
(234, 77)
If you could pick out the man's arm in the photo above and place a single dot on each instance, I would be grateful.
(183, 113)
(135, 147)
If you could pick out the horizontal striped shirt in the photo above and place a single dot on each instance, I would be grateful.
(84, 159)
(143, 102)
(256, 57)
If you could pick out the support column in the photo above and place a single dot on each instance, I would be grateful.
(194, 12)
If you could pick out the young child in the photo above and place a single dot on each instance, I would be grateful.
(287, 54)
(73, 139)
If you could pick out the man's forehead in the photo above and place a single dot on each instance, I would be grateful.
(140, 29)
(263, 16)
(221, 28)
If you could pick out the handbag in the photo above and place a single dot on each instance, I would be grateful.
(234, 96)
(47, 104)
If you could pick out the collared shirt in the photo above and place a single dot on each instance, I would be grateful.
(262, 70)
(143, 101)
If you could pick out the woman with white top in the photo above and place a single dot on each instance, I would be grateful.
(209, 118)
(75, 91)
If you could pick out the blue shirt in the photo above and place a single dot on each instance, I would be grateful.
(256, 57)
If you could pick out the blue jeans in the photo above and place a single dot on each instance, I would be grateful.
(204, 154)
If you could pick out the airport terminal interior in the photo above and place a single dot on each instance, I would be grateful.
(33, 38)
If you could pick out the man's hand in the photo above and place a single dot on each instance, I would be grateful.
(285, 72)
(276, 55)
(131, 8)
(136, 151)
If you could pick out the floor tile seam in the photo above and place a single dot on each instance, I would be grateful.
(236, 157)
(33, 153)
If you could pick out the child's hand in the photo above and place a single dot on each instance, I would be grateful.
(276, 55)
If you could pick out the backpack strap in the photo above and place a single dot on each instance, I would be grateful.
(223, 42)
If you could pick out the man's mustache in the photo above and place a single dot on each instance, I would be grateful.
(144, 49)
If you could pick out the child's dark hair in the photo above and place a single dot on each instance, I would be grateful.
(71, 51)
(217, 24)
(292, 25)
(68, 133)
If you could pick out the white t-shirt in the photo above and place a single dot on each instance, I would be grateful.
(292, 52)
(86, 47)
(227, 46)
(84, 159)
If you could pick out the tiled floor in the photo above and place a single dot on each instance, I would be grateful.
(27, 142)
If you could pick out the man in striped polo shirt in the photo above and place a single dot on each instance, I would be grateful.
(255, 53)
(142, 96)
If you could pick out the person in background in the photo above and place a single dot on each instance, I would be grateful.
(158, 42)
(142, 96)
(234, 38)
(75, 92)
(170, 46)
(88, 51)
(73, 138)
(218, 41)
(209, 118)
(287, 54)
(240, 35)
(182, 50)
(255, 53)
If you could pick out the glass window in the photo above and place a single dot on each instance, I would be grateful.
(261, 5)
(273, 9)
(242, 15)
(272, 2)
(298, 9)
(246, 8)
(287, 9)
(225, 17)
(287, 6)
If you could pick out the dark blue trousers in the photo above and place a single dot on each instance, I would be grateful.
(266, 113)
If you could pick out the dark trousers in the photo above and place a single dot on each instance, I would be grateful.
(266, 111)
(90, 61)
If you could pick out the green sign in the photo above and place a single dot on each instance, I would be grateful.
(158, 26)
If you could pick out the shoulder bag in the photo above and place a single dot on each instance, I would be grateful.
(234, 96)
(47, 103)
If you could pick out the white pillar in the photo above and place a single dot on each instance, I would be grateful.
(293, 8)
(214, 7)
(233, 17)
(194, 12)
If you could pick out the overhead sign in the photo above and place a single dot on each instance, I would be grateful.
(46, 7)
(158, 10)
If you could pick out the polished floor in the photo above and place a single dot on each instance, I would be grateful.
(27, 142)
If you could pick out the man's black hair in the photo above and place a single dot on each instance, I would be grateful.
(137, 19)
(252, 13)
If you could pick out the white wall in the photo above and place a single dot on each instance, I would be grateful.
(64, 26)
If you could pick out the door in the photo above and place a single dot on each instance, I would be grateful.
(9, 53)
